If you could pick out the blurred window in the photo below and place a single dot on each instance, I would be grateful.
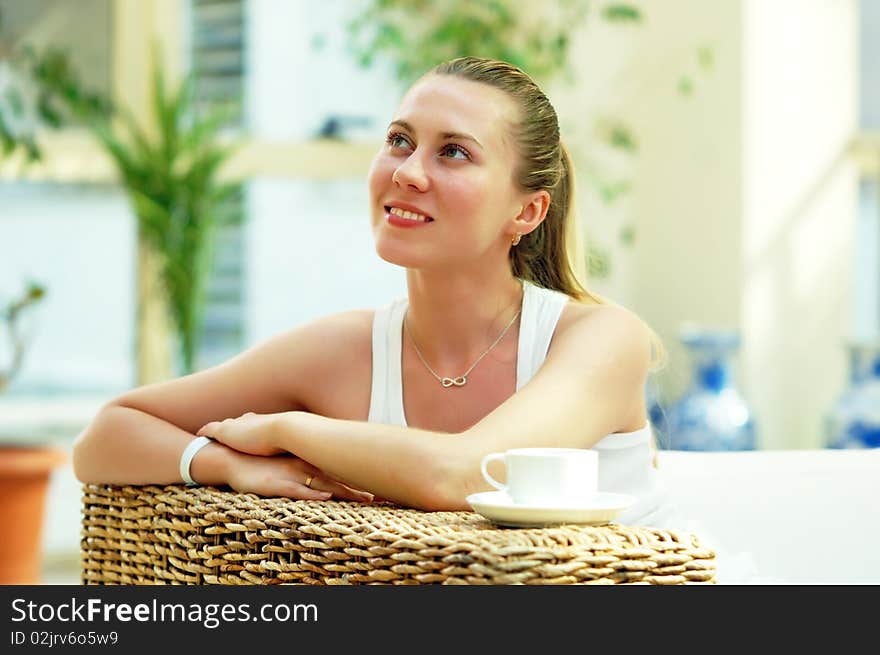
(218, 56)
(218, 53)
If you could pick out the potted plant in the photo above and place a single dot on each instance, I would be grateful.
(172, 180)
(168, 166)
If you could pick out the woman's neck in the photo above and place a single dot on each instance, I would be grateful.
(453, 318)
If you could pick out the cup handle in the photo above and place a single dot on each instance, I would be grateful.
(485, 471)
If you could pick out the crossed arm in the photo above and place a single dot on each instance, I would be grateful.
(584, 391)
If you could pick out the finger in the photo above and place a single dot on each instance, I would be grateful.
(298, 491)
(359, 494)
(340, 490)
(208, 430)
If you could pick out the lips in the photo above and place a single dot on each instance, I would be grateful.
(408, 212)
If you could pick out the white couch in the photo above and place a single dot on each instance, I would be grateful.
(783, 516)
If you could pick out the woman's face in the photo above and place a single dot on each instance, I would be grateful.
(441, 188)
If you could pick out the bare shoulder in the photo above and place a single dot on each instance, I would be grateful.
(282, 373)
(348, 327)
(603, 332)
(609, 347)
(331, 351)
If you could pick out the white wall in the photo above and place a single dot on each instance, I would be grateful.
(800, 204)
(601, 86)
(744, 201)
(688, 201)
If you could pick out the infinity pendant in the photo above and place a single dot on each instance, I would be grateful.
(458, 382)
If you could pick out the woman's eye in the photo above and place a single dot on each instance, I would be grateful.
(454, 151)
(396, 140)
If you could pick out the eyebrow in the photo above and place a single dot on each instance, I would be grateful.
(444, 135)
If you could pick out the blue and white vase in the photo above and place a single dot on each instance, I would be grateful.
(854, 420)
(712, 414)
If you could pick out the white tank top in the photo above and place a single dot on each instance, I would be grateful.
(625, 458)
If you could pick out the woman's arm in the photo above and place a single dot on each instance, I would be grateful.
(406, 465)
(409, 466)
(584, 391)
(139, 436)
(123, 445)
(215, 464)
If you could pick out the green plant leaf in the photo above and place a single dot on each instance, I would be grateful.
(619, 12)
(418, 35)
(7, 138)
(685, 85)
(14, 101)
(706, 57)
(47, 111)
(598, 262)
(622, 138)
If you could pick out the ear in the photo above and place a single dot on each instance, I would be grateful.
(534, 210)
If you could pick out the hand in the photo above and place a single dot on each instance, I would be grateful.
(285, 475)
(255, 434)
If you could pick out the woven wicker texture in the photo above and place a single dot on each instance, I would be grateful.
(203, 535)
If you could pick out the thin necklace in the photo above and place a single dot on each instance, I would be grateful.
(461, 380)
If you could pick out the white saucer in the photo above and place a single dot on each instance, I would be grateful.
(498, 507)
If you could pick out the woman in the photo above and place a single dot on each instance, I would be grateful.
(496, 345)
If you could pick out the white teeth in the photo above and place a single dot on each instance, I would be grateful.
(412, 216)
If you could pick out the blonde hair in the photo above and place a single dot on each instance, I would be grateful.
(553, 255)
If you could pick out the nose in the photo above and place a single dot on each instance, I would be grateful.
(411, 173)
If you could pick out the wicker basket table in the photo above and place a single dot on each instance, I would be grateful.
(204, 535)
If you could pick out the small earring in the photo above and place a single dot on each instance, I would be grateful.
(516, 239)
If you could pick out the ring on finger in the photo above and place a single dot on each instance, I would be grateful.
(308, 481)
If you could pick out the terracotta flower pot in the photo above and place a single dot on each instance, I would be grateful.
(24, 483)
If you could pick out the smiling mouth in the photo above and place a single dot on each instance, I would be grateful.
(408, 215)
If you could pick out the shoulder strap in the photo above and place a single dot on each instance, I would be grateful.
(386, 393)
(540, 314)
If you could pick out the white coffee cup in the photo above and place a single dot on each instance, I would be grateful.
(550, 477)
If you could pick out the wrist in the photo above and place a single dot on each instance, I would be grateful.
(211, 464)
(284, 436)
